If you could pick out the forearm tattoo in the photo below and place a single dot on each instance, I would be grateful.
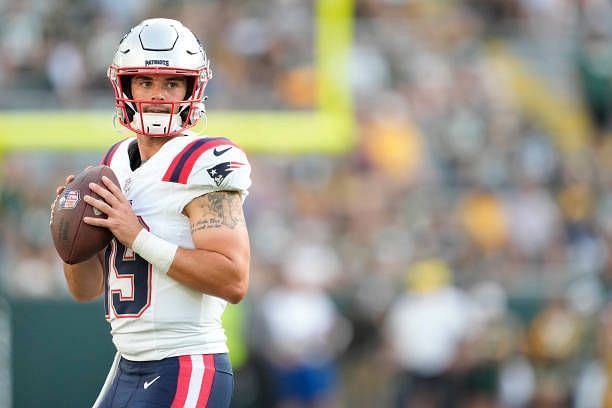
(221, 208)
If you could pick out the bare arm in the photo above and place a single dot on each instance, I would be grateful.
(219, 265)
(85, 279)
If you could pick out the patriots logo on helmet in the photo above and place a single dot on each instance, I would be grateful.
(219, 172)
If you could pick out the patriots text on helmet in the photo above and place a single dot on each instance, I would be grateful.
(157, 62)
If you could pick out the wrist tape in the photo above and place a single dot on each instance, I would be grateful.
(158, 252)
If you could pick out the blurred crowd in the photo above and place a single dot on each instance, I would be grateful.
(57, 52)
(457, 256)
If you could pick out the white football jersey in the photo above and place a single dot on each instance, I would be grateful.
(153, 316)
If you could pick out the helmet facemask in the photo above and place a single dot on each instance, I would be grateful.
(183, 114)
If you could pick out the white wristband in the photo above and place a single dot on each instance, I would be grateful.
(156, 251)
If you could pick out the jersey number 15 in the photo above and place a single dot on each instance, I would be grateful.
(127, 286)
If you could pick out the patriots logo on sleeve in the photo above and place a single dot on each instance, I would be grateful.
(219, 172)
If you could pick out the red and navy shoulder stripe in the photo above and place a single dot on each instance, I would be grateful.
(183, 163)
(111, 152)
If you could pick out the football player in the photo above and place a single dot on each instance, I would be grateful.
(181, 249)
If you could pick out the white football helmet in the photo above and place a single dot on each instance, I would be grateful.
(160, 46)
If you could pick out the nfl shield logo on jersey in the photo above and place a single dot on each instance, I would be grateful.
(127, 185)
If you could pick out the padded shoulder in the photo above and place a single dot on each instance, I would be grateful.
(214, 162)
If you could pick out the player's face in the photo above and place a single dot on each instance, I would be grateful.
(159, 88)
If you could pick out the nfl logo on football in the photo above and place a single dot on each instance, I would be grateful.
(69, 200)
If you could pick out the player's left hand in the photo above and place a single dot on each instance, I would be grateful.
(122, 221)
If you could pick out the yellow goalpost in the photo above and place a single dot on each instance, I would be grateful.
(328, 128)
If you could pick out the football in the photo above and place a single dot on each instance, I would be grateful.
(74, 240)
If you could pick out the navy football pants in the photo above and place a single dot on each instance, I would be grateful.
(175, 382)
